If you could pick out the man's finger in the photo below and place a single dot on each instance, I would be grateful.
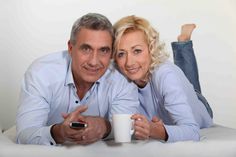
(155, 119)
(64, 115)
(76, 114)
(80, 109)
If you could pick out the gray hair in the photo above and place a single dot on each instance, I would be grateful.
(92, 21)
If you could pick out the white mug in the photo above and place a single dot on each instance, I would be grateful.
(123, 127)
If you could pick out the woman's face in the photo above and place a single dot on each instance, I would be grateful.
(132, 56)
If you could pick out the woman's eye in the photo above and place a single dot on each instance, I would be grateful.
(137, 51)
(120, 54)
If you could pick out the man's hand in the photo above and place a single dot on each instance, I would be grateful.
(62, 132)
(97, 128)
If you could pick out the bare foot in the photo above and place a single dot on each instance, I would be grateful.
(186, 32)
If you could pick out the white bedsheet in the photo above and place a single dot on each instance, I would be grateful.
(217, 141)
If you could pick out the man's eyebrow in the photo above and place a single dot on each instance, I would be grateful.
(85, 46)
(105, 47)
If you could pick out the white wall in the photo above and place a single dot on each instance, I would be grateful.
(29, 29)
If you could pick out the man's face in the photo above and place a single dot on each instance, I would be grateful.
(90, 55)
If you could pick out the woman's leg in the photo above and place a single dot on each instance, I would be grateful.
(184, 55)
(184, 58)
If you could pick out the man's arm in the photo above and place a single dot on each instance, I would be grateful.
(32, 114)
(63, 132)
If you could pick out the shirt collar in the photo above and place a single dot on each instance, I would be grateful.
(69, 77)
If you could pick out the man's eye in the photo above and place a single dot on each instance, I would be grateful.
(86, 49)
(105, 50)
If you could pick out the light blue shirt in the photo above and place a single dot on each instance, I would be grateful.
(170, 96)
(48, 90)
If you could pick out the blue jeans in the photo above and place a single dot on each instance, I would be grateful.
(185, 59)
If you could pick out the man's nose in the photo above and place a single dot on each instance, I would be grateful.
(93, 59)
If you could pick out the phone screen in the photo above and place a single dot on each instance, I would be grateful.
(77, 125)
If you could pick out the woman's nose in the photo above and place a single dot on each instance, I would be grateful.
(129, 60)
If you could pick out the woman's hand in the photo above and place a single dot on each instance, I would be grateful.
(141, 127)
(145, 129)
(157, 129)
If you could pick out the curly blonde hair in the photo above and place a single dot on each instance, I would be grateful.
(133, 23)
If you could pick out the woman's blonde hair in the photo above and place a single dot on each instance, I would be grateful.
(133, 23)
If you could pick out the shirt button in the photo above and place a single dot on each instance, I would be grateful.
(76, 101)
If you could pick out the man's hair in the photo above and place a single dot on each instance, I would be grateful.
(93, 21)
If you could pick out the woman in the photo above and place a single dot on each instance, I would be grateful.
(170, 109)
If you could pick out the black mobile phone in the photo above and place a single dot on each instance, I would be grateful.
(78, 125)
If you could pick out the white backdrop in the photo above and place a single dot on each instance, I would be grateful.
(29, 29)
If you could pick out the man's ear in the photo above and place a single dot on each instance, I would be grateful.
(69, 44)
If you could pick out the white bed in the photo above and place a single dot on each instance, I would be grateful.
(217, 141)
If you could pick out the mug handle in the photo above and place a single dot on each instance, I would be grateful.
(132, 127)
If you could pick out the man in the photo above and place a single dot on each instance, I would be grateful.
(74, 85)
